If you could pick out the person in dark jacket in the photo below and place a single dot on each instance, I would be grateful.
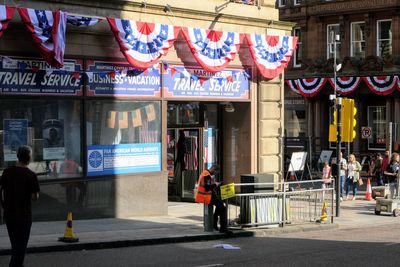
(19, 185)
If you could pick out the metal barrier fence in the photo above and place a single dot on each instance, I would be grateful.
(301, 202)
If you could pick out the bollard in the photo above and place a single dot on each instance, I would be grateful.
(208, 218)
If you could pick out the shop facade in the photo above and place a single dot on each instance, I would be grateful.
(112, 140)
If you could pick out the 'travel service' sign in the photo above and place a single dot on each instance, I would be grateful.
(229, 84)
(21, 76)
(121, 79)
(124, 158)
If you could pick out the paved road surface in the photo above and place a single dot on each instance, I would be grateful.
(372, 246)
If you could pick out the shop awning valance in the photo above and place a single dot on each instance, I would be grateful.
(143, 44)
(345, 85)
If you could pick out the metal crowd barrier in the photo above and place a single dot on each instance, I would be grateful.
(279, 204)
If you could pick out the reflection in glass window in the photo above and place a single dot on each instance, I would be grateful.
(332, 31)
(358, 39)
(298, 54)
(384, 38)
(377, 121)
(51, 127)
(123, 122)
(180, 114)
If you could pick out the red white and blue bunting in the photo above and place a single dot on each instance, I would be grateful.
(82, 21)
(6, 13)
(293, 85)
(345, 85)
(309, 87)
(47, 29)
(142, 43)
(213, 50)
(381, 85)
(271, 54)
(398, 82)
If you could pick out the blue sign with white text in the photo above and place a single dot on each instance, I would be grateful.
(123, 158)
(15, 135)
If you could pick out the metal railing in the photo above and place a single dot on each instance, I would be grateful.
(301, 202)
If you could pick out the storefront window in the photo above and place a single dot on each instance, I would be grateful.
(377, 121)
(51, 127)
(183, 114)
(123, 137)
(295, 117)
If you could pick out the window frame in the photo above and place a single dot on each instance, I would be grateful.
(299, 45)
(327, 39)
(352, 37)
(281, 3)
(296, 2)
(369, 142)
(378, 52)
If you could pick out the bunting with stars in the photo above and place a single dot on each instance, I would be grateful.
(271, 54)
(213, 50)
(6, 13)
(47, 29)
(82, 21)
(142, 43)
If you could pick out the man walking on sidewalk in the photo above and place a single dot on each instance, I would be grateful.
(19, 185)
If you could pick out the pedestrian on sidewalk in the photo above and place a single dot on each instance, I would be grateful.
(353, 175)
(19, 185)
(378, 170)
(385, 164)
(343, 170)
(391, 173)
(208, 193)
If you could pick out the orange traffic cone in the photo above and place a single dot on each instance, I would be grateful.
(324, 213)
(368, 192)
(69, 231)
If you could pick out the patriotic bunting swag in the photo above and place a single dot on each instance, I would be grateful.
(142, 43)
(271, 54)
(48, 32)
(398, 82)
(381, 85)
(6, 14)
(293, 85)
(309, 87)
(345, 85)
(82, 21)
(213, 50)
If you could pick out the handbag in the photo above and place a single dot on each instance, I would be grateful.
(360, 181)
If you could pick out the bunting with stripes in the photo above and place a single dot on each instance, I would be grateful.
(82, 21)
(381, 85)
(143, 43)
(345, 85)
(47, 29)
(6, 14)
(309, 87)
(213, 50)
(271, 54)
(293, 85)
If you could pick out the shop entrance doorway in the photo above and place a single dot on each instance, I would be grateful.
(184, 161)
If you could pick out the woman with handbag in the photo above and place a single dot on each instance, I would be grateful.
(353, 176)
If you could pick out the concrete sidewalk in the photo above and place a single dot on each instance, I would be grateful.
(184, 223)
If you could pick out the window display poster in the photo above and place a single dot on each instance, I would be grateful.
(122, 80)
(15, 135)
(123, 158)
(180, 82)
(53, 139)
(297, 161)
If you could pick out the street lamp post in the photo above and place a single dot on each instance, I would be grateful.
(339, 127)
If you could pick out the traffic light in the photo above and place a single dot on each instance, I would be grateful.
(332, 122)
(348, 120)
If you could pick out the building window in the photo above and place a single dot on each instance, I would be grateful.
(52, 128)
(297, 2)
(377, 122)
(282, 3)
(384, 38)
(123, 137)
(295, 117)
(297, 58)
(357, 48)
(332, 31)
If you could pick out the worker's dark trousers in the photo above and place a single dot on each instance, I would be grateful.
(220, 211)
(19, 232)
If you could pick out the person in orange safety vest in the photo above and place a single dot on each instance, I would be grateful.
(207, 193)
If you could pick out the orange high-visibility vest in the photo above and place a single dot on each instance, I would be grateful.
(203, 196)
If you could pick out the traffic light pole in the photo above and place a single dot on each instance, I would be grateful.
(338, 132)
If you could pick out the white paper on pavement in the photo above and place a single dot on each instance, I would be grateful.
(226, 246)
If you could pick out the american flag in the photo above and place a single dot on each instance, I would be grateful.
(48, 33)
(82, 21)
(6, 13)
(146, 135)
(190, 157)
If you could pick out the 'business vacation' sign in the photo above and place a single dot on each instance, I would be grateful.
(229, 84)
(121, 79)
(124, 158)
(21, 76)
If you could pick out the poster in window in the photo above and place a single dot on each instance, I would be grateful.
(15, 135)
(53, 139)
